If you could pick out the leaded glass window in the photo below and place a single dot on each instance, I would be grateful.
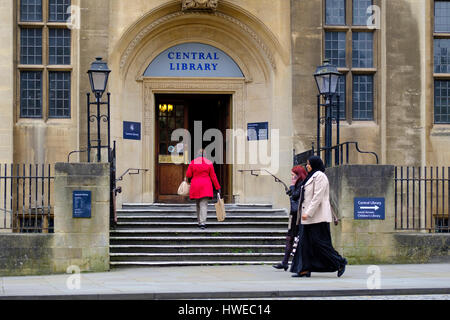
(341, 91)
(335, 48)
(360, 14)
(44, 59)
(57, 10)
(30, 94)
(442, 101)
(335, 12)
(442, 16)
(31, 46)
(362, 50)
(30, 10)
(442, 55)
(59, 46)
(59, 94)
(362, 97)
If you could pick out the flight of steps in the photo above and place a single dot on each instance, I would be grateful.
(167, 235)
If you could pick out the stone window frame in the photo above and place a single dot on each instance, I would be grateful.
(45, 68)
(437, 76)
(349, 71)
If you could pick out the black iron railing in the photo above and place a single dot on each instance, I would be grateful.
(25, 198)
(341, 154)
(422, 198)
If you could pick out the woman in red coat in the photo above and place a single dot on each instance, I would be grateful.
(201, 172)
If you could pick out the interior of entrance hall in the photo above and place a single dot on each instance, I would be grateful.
(176, 111)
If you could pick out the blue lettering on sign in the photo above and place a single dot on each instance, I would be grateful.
(193, 60)
(369, 208)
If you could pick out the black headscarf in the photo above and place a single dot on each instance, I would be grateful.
(316, 165)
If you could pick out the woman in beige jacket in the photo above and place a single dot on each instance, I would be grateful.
(318, 254)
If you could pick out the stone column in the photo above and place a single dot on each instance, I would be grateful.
(363, 241)
(81, 242)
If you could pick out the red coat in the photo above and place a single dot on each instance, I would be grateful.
(202, 173)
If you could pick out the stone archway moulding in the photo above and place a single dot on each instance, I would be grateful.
(126, 56)
(152, 86)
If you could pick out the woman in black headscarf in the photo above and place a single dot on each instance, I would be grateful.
(315, 252)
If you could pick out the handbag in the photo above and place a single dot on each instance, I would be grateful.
(183, 189)
(220, 209)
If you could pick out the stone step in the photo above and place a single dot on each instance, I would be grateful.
(217, 232)
(196, 248)
(146, 264)
(211, 211)
(191, 204)
(196, 240)
(192, 217)
(193, 224)
(167, 235)
(195, 256)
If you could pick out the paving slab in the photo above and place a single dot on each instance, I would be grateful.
(229, 282)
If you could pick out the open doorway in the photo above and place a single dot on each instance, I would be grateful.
(176, 111)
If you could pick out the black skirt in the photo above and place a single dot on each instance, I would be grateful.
(318, 254)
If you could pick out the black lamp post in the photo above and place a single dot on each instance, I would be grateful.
(327, 77)
(98, 77)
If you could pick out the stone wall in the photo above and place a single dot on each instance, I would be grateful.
(26, 254)
(7, 80)
(363, 241)
(76, 242)
(422, 248)
(377, 241)
(81, 242)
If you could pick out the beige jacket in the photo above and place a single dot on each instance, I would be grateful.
(317, 200)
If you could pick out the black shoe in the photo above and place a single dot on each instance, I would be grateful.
(342, 269)
(202, 226)
(281, 266)
(306, 274)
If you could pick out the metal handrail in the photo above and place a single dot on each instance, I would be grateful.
(130, 172)
(253, 173)
(72, 152)
(340, 148)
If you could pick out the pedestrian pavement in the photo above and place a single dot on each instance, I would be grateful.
(230, 282)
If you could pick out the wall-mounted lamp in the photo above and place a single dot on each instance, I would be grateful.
(166, 107)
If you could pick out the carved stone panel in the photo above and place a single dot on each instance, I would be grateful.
(199, 5)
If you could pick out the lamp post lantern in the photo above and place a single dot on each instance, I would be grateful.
(98, 78)
(327, 77)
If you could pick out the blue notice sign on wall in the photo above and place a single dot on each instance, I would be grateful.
(131, 130)
(82, 203)
(369, 209)
(258, 131)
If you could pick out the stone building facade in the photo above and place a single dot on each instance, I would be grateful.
(394, 92)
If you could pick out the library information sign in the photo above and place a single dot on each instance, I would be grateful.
(369, 208)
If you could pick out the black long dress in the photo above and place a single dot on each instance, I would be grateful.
(318, 254)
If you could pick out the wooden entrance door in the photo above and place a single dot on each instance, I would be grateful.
(171, 115)
(180, 111)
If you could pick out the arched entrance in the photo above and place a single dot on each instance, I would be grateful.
(258, 93)
(197, 114)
